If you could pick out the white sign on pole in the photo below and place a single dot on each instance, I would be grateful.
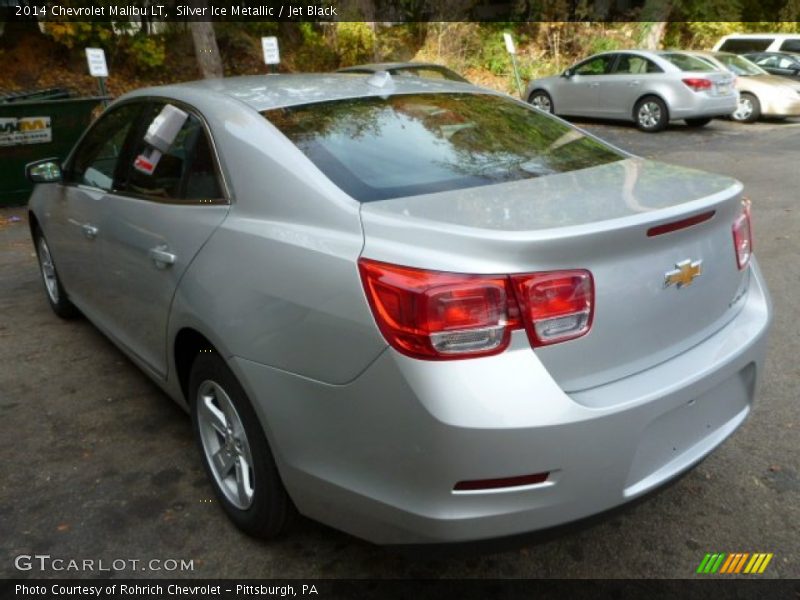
(509, 43)
(96, 59)
(272, 55)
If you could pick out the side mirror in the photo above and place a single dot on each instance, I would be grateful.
(568, 73)
(47, 170)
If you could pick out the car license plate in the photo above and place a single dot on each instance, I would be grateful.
(723, 89)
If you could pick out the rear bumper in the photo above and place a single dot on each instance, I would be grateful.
(697, 106)
(379, 457)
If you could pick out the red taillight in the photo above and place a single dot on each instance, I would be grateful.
(438, 316)
(698, 84)
(435, 315)
(743, 236)
(556, 306)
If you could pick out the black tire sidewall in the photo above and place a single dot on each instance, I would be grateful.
(271, 510)
(663, 122)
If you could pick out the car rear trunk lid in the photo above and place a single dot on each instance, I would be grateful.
(596, 219)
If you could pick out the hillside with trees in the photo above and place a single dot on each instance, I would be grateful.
(38, 55)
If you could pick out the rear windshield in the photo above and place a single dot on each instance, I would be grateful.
(685, 62)
(405, 145)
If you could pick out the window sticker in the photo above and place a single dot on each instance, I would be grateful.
(147, 161)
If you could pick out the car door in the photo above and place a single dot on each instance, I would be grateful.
(622, 87)
(168, 206)
(90, 174)
(579, 92)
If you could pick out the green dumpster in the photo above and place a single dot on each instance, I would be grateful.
(35, 125)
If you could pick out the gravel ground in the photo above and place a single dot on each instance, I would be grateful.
(98, 463)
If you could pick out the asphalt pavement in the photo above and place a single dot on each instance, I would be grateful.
(98, 464)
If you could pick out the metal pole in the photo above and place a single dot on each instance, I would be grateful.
(101, 82)
(516, 74)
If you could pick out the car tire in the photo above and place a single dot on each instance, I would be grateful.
(748, 110)
(702, 122)
(541, 100)
(235, 452)
(651, 114)
(54, 290)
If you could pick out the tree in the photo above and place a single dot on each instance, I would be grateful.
(205, 47)
(654, 14)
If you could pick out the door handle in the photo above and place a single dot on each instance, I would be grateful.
(90, 231)
(161, 257)
(596, 84)
(636, 83)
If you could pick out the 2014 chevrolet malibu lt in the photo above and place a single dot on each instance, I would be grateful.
(414, 310)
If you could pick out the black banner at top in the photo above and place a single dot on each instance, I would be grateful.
(398, 11)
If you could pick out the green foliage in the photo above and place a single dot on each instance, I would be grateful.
(314, 52)
(355, 42)
(79, 34)
(146, 53)
(602, 44)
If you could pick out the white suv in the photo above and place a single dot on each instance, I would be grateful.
(740, 43)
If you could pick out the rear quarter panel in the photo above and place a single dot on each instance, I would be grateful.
(278, 282)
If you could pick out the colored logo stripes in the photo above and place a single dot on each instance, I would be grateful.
(735, 562)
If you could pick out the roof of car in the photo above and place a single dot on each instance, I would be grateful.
(265, 92)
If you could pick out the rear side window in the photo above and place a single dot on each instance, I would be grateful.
(179, 169)
(742, 45)
(405, 145)
(686, 62)
(96, 161)
(790, 46)
(636, 65)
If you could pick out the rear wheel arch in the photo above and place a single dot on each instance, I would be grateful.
(648, 95)
(189, 343)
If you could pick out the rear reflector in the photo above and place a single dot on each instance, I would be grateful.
(698, 84)
(443, 316)
(504, 482)
(682, 224)
(743, 236)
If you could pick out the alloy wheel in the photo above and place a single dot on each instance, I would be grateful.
(542, 102)
(744, 109)
(225, 444)
(48, 271)
(649, 115)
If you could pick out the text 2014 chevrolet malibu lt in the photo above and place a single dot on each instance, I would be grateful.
(416, 311)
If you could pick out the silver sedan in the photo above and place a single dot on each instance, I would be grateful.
(649, 88)
(416, 311)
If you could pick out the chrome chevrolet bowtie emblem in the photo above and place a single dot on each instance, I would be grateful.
(684, 274)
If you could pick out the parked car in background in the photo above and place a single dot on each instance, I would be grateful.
(415, 69)
(741, 43)
(648, 88)
(418, 312)
(785, 64)
(760, 94)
